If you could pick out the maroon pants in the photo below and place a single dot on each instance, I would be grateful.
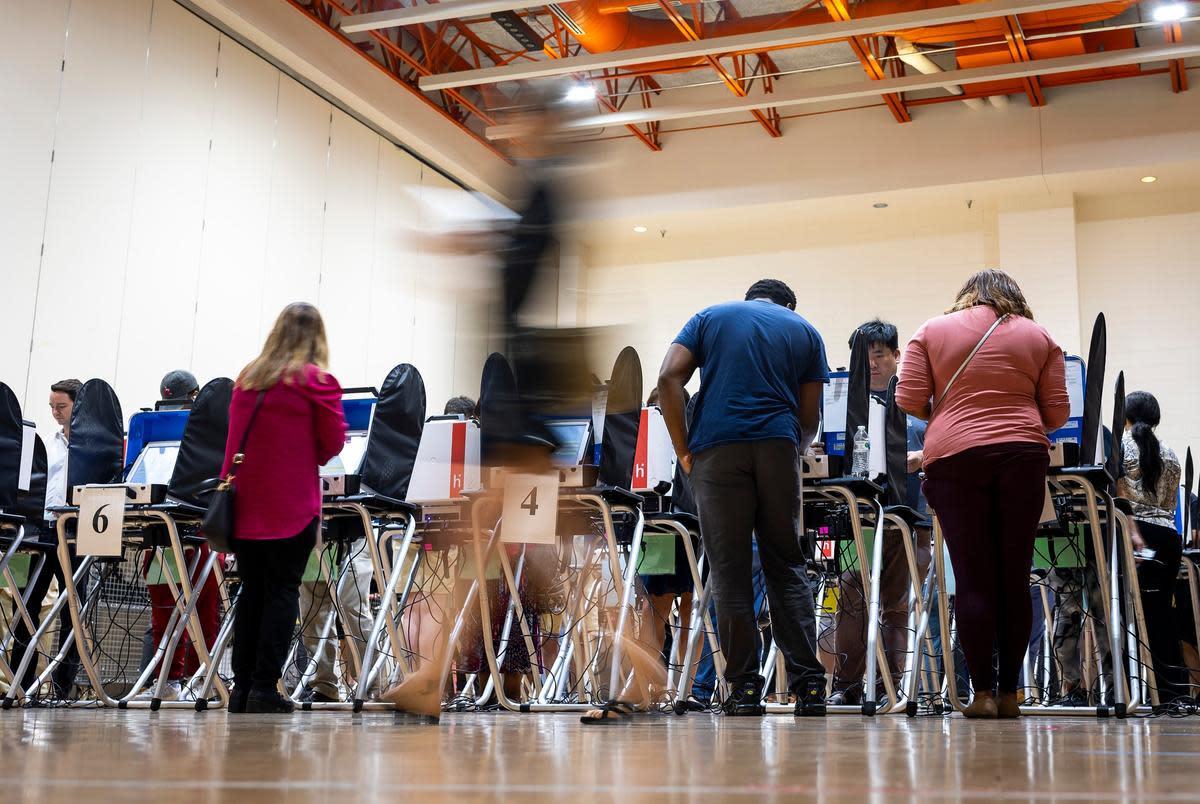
(988, 500)
(184, 662)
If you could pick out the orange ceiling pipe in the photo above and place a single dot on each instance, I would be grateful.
(607, 26)
(1038, 22)
(987, 55)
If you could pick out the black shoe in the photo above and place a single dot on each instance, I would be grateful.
(269, 702)
(1076, 697)
(745, 700)
(810, 699)
(237, 700)
(313, 696)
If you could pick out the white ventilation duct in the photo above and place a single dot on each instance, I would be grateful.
(999, 101)
(914, 58)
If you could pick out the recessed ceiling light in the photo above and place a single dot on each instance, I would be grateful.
(640, 229)
(1149, 179)
(879, 205)
(581, 93)
(1169, 12)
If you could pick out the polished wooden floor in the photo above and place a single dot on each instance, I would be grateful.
(55, 755)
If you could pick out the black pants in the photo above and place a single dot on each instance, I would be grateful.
(268, 606)
(752, 489)
(1157, 577)
(988, 500)
(63, 675)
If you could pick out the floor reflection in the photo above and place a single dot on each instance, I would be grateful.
(133, 756)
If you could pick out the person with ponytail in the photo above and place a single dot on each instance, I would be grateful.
(1150, 481)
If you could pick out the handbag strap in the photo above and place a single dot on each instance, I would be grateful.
(945, 392)
(240, 455)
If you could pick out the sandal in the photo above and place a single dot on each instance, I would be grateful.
(611, 712)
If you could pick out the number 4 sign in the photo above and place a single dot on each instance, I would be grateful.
(101, 520)
(530, 509)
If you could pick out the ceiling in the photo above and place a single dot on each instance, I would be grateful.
(740, 83)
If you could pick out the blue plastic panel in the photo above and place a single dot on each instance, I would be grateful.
(152, 425)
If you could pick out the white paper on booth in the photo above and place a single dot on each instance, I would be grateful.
(1075, 386)
(876, 430)
(836, 396)
(28, 438)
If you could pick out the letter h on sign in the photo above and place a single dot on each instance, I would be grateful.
(641, 452)
(458, 456)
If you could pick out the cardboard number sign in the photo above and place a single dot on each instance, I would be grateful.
(530, 509)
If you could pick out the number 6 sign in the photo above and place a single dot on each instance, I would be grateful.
(101, 520)
(530, 509)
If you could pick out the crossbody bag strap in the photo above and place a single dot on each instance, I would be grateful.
(1000, 320)
(240, 455)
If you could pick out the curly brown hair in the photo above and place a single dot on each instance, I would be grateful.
(996, 289)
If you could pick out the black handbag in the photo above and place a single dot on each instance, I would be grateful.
(217, 525)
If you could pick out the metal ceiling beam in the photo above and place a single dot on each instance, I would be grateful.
(435, 12)
(767, 119)
(866, 89)
(1019, 50)
(1179, 82)
(839, 11)
(750, 42)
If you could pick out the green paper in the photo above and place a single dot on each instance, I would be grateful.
(658, 554)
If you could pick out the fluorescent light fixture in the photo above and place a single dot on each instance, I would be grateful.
(581, 93)
(1169, 12)
(640, 229)
(880, 205)
(1149, 179)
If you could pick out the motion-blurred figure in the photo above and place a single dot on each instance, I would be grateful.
(550, 364)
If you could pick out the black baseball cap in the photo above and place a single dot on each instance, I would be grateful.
(178, 385)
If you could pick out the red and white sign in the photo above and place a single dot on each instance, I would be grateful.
(654, 457)
(447, 461)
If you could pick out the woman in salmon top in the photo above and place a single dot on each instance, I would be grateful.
(985, 460)
(288, 408)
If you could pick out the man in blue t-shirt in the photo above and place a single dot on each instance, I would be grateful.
(762, 368)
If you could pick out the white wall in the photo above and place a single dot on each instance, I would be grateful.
(1144, 274)
(194, 190)
(1133, 256)
(838, 286)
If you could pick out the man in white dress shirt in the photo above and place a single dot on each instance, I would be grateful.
(62, 404)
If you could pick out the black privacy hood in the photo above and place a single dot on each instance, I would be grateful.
(395, 433)
(202, 450)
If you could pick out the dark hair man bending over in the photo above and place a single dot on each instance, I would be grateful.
(461, 406)
(850, 622)
(762, 368)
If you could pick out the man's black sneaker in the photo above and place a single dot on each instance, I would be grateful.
(1076, 697)
(745, 700)
(312, 696)
(269, 702)
(810, 699)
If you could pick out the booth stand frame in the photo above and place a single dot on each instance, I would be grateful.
(184, 617)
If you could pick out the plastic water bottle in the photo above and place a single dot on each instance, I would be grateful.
(862, 453)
